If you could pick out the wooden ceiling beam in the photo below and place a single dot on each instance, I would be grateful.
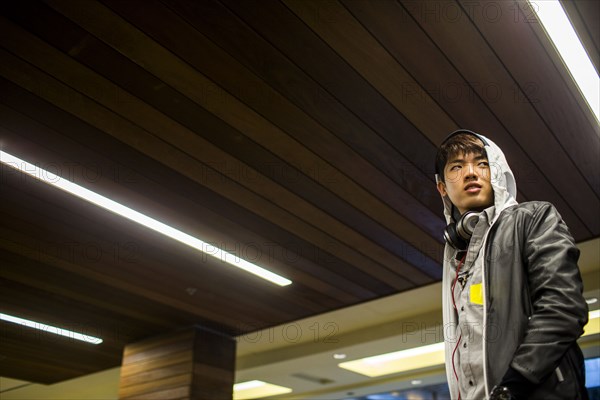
(184, 161)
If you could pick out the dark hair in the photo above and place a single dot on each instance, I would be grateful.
(459, 143)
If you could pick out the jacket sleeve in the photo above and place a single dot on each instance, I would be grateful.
(559, 310)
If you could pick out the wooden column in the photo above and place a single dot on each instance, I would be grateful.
(195, 363)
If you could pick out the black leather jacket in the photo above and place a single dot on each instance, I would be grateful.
(534, 303)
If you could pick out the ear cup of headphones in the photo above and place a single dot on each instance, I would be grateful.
(458, 234)
(451, 237)
(466, 224)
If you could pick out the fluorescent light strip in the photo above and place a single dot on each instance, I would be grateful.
(50, 329)
(561, 32)
(257, 389)
(132, 215)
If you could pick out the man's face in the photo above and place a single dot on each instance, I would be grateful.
(467, 182)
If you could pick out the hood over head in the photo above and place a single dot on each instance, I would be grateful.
(502, 179)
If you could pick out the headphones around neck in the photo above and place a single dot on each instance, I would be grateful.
(459, 234)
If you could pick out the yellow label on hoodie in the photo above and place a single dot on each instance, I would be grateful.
(476, 294)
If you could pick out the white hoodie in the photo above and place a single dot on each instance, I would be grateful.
(505, 192)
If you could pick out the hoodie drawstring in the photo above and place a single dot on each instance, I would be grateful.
(455, 309)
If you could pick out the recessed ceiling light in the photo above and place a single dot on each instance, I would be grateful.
(567, 43)
(593, 325)
(257, 389)
(339, 356)
(135, 216)
(591, 300)
(416, 382)
(50, 329)
(398, 361)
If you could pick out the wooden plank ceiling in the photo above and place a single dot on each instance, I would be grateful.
(298, 134)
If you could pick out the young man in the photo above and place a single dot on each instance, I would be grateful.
(512, 293)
